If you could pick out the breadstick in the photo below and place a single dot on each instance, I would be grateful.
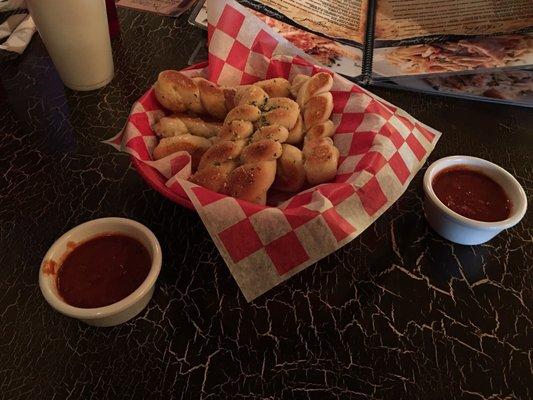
(168, 127)
(216, 164)
(255, 176)
(251, 136)
(296, 134)
(321, 159)
(320, 155)
(179, 93)
(297, 83)
(324, 129)
(196, 146)
(179, 124)
(223, 157)
(184, 134)
(290, 174)
(276, 87)
(317, 163)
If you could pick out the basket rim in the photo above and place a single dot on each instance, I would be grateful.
(154, 178)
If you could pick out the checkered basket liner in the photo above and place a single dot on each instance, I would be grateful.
(381, 146)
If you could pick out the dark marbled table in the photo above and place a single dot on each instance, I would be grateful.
(398, 313)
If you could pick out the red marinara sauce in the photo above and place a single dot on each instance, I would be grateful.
(102, 271)
(472, 194)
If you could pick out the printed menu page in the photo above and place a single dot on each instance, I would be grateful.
(402, 19)
(341, 19)
(341, 58)
(421, 37)
(467, 54)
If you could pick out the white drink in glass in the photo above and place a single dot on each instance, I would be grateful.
(76, 35)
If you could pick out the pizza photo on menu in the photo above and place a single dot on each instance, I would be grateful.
(455, 56)
(326, 51)
(341, 58)
(503, 85)
(512, 86)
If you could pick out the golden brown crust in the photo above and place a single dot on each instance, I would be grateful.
(244, 112)
(167, 96)
(275, 87)
(250, 94)
(276, 119)
(319, 83)
(194, 145)
(325, 129)
(178, 92)
(199, 126)
(250, 182)
(221, 152)
(290, 173)
(318, 109)
(273, 132)
(280, 111)
(212, 98)
(319, 153)
(262, 150)
(229, 97)
(297, 83)
(321, 159)
(236, 130)
(170, 126)
(296, 134)
(214, 177)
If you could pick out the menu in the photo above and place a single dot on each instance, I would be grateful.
(341, 19)
(402, 19)
(425, 41)
(469, 48)
(343, 55)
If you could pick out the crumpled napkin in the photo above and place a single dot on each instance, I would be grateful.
(17, 28)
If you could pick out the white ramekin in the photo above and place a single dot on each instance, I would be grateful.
(115, 313)
(462, 230)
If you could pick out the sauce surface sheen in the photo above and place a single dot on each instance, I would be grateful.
(102, 271)
(472, 194)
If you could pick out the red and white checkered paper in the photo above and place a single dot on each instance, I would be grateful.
(381, 146)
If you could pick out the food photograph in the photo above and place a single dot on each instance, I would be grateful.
(511, 86)
(455, 56)
(261, 223)
(339, 57)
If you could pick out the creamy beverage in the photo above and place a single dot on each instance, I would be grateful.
(76, 35)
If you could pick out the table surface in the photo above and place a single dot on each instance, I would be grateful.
(397, 313)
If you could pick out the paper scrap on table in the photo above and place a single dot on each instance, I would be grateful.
(19, 29)
(173, 8)
(9, 5)
(381, 146)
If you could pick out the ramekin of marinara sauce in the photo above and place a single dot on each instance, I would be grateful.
(469, 200)
(471, 194)
(102, 272)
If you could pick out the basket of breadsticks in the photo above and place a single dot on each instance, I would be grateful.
(283, 160)
(244, 140)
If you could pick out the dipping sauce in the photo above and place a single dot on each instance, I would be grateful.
(102, 271)
(472, 194)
